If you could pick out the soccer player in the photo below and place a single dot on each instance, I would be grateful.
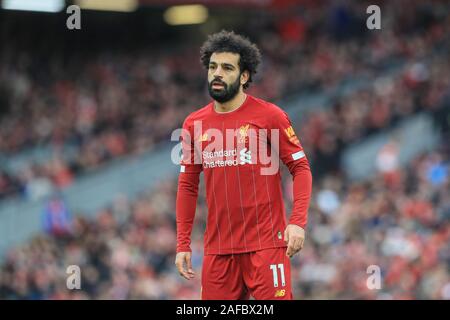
(247, 241)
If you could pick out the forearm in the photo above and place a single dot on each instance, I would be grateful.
(185, 209)
(302, 188)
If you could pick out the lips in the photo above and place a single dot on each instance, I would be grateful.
(217, 84)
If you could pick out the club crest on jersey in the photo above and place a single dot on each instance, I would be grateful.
(243, 133)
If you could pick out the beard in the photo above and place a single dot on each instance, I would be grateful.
(225, 94)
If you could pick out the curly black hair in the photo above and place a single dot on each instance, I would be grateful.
(228, 41)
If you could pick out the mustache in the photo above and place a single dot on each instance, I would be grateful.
(218, 81)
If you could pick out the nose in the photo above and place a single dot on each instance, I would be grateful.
(218, 72)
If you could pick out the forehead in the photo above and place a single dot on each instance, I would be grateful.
(225, 57)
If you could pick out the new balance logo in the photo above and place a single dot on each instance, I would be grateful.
(245, 156)
(280, 293)
(203, 137)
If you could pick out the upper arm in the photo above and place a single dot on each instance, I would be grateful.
(191, 157)
(290, 149)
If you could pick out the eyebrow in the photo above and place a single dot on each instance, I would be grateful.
(223, 64)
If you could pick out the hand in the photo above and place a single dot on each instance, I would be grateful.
(184, 259)
(294, 237)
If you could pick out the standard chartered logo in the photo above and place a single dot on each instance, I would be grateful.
(230, 147)
(215, 159)
(245, 156)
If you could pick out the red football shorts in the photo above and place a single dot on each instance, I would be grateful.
(263, 274)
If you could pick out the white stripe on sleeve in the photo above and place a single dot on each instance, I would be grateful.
(298, 155)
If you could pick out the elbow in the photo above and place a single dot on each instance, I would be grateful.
(300, 167)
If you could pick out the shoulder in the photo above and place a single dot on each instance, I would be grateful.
(197, 115)
(270, 109)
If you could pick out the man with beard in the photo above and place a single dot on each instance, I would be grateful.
(247, 241)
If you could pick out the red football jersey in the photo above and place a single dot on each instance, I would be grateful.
(239, 153)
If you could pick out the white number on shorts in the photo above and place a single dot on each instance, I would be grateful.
(273, 267)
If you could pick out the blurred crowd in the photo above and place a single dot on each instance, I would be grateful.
(109, 104)
(398, 221)
(418, 88)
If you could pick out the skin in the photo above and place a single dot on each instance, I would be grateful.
(294, 236)
(224, 66)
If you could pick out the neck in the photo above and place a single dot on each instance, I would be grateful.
(232, 104)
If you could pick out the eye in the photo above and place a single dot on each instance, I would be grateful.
(211, 67)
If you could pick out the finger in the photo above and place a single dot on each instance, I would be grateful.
(294, 249)
(290, 248)
(302, 243)
(185, 275)
(190, 271)
(181, 270)
(297, 244)
(288, 252)
(286, 236)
